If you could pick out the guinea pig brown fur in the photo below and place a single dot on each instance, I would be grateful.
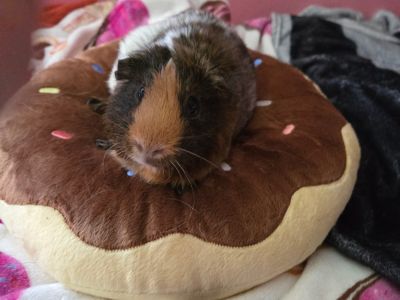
(179, 98)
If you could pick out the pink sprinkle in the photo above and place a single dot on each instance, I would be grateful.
(62, 134)
(288, 129)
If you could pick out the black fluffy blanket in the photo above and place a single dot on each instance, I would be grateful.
(369, 97)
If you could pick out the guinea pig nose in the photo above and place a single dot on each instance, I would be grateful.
(137, 144)
(156, 152)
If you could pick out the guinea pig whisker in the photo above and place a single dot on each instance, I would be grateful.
(184, 203)
(167, 171)
(198, 156)
(106, 152)
(191, 185)
(118, 151)
(183, 171)
(177, 170)
(113, 148)
(185, 174)
(104, 159)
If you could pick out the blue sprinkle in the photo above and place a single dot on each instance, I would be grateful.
(3, 279)
(11, 266)
(130, 173)
(98, 68)
(257, 62)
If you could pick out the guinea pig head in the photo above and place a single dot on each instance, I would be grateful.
(167, 120)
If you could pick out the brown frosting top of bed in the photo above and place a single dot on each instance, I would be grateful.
(293, 140)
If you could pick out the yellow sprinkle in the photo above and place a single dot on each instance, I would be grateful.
(49, 90)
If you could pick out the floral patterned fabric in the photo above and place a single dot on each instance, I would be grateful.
(13, 277)
(126, 15)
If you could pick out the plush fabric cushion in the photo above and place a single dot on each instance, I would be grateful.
(99, 231)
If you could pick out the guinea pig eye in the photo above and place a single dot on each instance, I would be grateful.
(192, 106)
(140, 93)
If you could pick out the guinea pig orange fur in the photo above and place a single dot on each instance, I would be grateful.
(161, 129)
(179, 98)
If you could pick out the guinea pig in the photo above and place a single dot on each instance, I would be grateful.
(181, 90)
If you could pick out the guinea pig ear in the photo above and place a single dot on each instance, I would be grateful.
(123, 69)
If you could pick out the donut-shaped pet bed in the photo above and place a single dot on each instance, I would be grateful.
(287, 178)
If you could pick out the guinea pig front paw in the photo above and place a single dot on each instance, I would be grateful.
(178, 189)
(182, 189)
(96, 105)
(103, 144)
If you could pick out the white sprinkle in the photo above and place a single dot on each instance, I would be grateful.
(226, 167)
(262, 103)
